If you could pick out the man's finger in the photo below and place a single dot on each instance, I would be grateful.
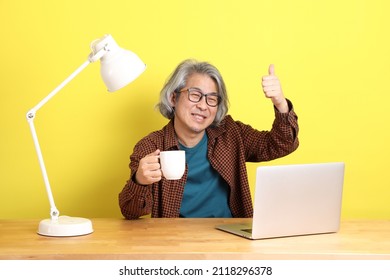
(271, 70)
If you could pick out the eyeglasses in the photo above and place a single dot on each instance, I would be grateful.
(195, 95)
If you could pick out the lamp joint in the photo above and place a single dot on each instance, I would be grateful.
(54, 214)
(30, 115)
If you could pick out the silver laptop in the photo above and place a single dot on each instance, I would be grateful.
(294, 200)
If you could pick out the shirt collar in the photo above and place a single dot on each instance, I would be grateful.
(170, 139)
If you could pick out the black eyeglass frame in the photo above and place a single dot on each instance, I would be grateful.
(206, 95)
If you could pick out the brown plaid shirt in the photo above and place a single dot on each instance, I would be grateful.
(230, 146)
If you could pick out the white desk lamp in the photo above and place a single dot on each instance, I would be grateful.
(119, 67)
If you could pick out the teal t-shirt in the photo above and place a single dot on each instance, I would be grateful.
(206, 194)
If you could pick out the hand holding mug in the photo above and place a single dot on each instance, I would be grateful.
(170, 164)
(149, 170)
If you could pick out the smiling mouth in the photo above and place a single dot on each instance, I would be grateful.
(198, 116)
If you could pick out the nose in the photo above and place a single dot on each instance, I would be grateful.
(202, 105)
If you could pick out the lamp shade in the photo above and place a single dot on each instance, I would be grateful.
(119, 67)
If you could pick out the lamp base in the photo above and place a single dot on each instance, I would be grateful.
(65, 226)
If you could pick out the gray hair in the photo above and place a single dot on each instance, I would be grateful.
(177, 81)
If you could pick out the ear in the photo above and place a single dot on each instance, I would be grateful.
(173, 99)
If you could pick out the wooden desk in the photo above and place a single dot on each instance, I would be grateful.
(174, 239)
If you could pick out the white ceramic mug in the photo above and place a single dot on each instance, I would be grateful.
(173, 164)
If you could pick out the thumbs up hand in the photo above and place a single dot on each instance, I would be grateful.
(273, 90)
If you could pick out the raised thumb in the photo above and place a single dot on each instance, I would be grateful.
(271, 69)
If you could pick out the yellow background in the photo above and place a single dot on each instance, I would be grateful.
(331, 56)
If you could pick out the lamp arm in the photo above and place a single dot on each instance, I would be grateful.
(57, 89)
(54, 213)
(93, 57)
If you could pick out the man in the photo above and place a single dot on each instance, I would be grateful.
(215, 183)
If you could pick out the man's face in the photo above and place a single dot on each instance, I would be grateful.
(193, 117)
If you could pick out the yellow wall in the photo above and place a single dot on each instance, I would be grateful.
(332, 57)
